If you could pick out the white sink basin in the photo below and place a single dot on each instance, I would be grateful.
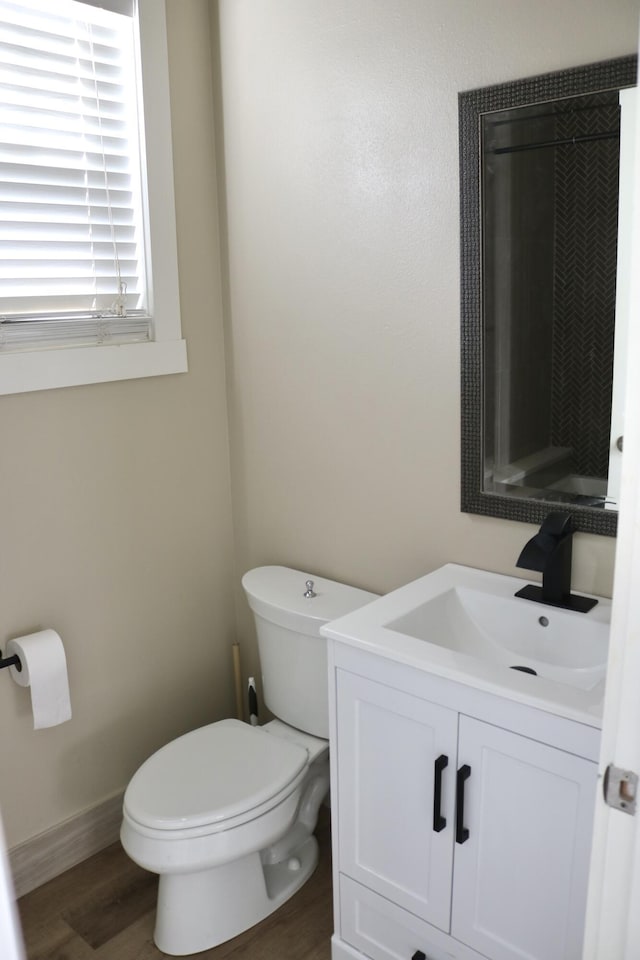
(467, 625)
(483, 623)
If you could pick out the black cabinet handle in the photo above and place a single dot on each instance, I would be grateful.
(439, 822)
(419, 955)
(462, 775)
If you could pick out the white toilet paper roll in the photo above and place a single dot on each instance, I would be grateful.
(44, 670)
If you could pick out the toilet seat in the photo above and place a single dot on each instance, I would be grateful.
(212, 779)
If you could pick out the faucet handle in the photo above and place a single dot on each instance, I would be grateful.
(555, 531)
(557, 524)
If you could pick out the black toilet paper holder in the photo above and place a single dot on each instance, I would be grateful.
(13, 661)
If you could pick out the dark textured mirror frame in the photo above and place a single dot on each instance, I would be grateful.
(607, 75)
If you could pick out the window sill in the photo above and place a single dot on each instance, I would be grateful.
(74, 366)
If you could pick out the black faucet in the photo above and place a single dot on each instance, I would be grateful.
(549, 552)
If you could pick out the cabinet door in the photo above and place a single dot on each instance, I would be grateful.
(389, 745)
(520, 878)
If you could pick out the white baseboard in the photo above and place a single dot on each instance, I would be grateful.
(342, 951)
(49, 854)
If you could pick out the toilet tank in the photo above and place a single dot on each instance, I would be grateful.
(293, 655)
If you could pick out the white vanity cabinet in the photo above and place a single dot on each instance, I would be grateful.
(462, 820)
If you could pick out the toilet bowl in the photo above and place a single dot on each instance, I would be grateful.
(203, 811)
(225, 814)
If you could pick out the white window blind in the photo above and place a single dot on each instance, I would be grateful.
(72, 240)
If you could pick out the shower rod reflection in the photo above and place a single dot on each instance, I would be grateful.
(567, 141)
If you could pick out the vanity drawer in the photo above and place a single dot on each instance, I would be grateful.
(383, 931)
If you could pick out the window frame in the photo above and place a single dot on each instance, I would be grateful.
(40, 368)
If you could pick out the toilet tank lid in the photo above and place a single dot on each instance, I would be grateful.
(273, 591)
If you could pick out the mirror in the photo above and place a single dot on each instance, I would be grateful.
(539, 176)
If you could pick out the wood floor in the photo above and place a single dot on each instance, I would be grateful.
(104, 908)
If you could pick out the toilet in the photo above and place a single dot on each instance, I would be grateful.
(225, 814)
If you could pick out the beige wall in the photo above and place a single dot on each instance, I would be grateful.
(341, 182)
(116, 523)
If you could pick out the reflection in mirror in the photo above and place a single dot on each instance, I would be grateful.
(550, 220)
(540, 162)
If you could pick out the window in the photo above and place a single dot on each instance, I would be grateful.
(88, 274)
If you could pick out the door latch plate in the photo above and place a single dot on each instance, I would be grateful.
(620, 789)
